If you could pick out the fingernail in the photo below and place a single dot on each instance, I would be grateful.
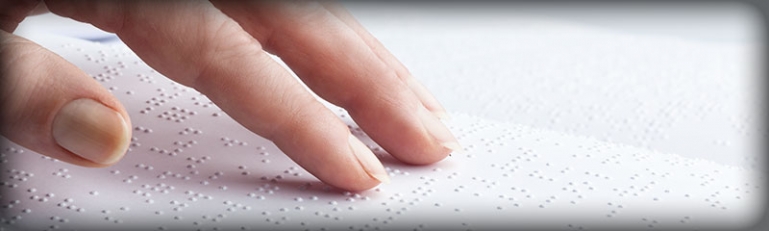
(439, 131)
(428, 99)
(368, 160)
(92, 131)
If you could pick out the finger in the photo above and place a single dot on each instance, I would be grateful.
(335, 63)
(39, 9)
(428, 100)
(53, 108)
(194, 44)
(13, 12)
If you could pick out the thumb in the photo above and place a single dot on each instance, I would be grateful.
(54, 108)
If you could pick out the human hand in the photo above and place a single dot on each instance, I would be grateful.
(220, 49)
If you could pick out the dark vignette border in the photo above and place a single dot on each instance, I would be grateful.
(761, 7)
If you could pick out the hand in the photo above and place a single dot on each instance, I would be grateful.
(220, 49)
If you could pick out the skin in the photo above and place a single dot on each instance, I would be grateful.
(221, 48)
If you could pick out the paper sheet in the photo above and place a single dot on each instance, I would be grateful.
(191, 167)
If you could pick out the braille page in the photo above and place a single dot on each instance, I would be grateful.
(191, 167)
(689, 97)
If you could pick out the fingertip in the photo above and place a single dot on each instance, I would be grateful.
(324, 146)
(122, 140)
(92, 131)
(441, 142)
(426, 158)
(370, 163)
(67, 116)
(359, 185)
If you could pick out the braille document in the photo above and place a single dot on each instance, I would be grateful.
(190, 166)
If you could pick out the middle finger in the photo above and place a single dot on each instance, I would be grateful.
(338, 65)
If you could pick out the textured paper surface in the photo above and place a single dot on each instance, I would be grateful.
(524, 104)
